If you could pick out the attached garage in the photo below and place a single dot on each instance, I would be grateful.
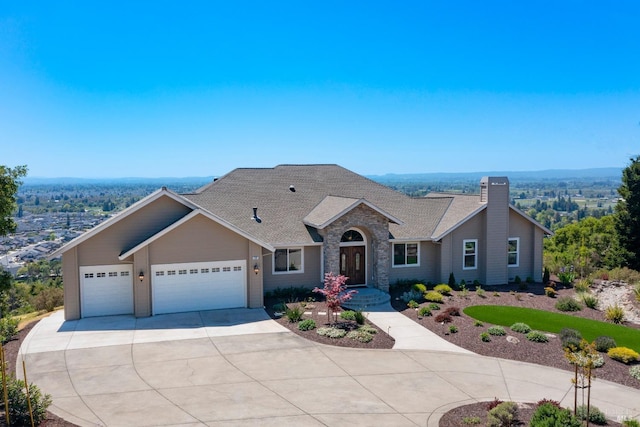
(106, 290)
(198, 286)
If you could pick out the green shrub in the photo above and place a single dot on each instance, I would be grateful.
(568, 304)
(443, 318)
(517, 280)
(280, 307)
(496, 331)
(582, 285)
(19, 406)
(614, 313)
(348, 315)
(48, 299)
(368, 329)
(634, 371)
(471, 420)
(434, 306)
(359, 317)
(453, 329)
(624, 274)
(623, 354)
(443, 289)
(604, 343)
(503, 415)
(591, 301)
(452, 280)
(596, 416)
(537, 336)
(419, 287)
(485, 337)
(307, 325)
(360, 335)
(522, 328)
(424, 312)
(546, 276)
(480, 292)
(411, 296)
(331, 332)
(550, 415)
(294, 314)
(8, 328)
(478, 323)
(413, 304)
(630, 423)
(570, 338)
(433, 296)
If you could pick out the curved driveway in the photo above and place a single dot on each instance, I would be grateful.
(238, 368)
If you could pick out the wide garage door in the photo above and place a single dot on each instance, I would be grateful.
(106, 290)
(198, 286)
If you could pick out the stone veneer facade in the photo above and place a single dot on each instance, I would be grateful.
(376, 229)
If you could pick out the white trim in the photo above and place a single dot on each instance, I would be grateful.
(475, 254)
(517, 252)
(187, 218)
(273, 261)
(405, 265)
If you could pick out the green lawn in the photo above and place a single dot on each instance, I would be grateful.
(554, 322)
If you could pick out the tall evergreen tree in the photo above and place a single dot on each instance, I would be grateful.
(628, 214)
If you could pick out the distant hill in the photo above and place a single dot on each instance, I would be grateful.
(514, 176)
(158, 182)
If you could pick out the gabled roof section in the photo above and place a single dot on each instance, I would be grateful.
(333, 207)
(185, 219)
(462, 208)
(140, 204)
(531, 220)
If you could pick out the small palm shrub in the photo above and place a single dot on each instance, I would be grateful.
(307, 325)
(433, 296)
(568, 304)
(443, 318)
(522, 328)
(348, 315)
(503, 415)
(634, 371)
(591, 301)
(614, 313)
(453, 311)
(550, 415)
(294, 314)
(424, 312)
(485, 337)
(419, 287)
(331, 332)
(496, 331)
(604, 343)
(596, 416)
(537, 336)
(623, 354)
(443, 289)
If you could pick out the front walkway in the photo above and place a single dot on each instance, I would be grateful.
(216, 369)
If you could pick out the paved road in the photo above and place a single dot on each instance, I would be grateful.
(238, 368)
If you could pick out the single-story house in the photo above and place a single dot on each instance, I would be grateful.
(258, 229)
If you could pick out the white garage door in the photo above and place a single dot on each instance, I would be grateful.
(198, 286)
(106, 290)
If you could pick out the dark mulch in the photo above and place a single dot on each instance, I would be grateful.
(380, 340)
(11, 354)
(547, 354)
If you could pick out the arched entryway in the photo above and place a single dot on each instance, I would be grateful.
(353, 257)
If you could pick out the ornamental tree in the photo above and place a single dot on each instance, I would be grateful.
(335, 292)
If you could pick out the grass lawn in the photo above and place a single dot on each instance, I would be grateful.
(554, 322)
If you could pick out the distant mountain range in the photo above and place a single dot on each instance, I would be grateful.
(514, 176)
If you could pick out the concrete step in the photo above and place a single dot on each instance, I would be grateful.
(367, 297)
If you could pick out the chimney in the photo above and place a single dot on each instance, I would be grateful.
(494, 192)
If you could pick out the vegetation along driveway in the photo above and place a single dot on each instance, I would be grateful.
(238, 367)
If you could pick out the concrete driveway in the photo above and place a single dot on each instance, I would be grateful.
(239, 368)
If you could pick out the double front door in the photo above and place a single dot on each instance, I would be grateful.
(353, 264)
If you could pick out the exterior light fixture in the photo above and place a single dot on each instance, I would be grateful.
(141, 275)
(256, 268)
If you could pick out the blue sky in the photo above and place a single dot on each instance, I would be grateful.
(155, 89)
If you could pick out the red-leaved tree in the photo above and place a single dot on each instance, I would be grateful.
(335, 292)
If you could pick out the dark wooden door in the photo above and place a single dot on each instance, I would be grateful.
(352, 264)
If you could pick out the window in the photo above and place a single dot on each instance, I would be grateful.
(193, 271)
(513, 248)
(204, 270)
(100, 275)
(237, 268)
(215, 270)
(124, 273)
(159, 273)
(182, 271)
(287, 260)
(113, 274)
(171, 272)
(226, 269)
(470, 254)
(405, 254)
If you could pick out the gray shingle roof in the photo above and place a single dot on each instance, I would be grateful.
(320, 192)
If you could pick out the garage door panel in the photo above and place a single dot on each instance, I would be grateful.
(198, 286)
(106, 290)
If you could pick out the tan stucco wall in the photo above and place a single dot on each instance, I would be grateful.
(452, 251)
(310, 278)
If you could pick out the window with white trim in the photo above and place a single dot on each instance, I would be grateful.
(513, 249)
(287, 260)
(406, 254)
(470, 254)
